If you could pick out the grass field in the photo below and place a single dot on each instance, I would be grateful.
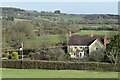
(95, 26)
(17, 19)
(53, 39)
(43, 40)
(69, 17)
(103, 32)
(34, 73)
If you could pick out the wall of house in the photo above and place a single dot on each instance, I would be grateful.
(77, 51)
(95, 46)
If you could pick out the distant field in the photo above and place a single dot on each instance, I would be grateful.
(87, 32)
(43, 40)
(34, 73)
(17, 19)
(50, 38)
(53, 39)
(94, 25)
(69, 17)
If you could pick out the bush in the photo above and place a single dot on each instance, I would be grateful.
(57, 54)
(7, 55)
(15, 55)
(57, 65)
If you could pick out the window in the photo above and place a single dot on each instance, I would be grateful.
(96, 48)
(80, 54)
(75, 47)
(86, 48)
(74, 54)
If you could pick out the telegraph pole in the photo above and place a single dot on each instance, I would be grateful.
(21, 49)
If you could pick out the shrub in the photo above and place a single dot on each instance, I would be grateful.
(7, 55)
(15, 55)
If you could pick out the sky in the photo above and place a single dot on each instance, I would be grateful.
(68, 7)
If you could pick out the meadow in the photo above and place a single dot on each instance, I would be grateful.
(95, 32)
(39, 73)
(54, 39)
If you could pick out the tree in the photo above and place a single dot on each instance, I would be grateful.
(57, 11)
(113, 48)
(15, 55)
(57, 54)
(10, 18)
(18, 33)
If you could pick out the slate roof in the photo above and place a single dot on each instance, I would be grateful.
(84, 40)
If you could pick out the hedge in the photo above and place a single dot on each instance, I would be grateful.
(57, 65)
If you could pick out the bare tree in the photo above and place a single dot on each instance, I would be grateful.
(113, 55)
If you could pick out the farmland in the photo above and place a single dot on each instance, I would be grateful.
(53, 39)
(103, 32)
(39, 31)
(35, 73)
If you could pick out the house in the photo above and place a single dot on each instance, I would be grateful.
(80, 46)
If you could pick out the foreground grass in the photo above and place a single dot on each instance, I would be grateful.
(34, 73)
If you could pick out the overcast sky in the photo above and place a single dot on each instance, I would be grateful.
(68, 7)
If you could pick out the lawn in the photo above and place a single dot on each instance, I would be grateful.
(34, 73)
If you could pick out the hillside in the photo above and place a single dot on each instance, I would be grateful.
(55, 17)
(43, 29)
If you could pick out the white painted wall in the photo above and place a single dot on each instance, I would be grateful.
(74, 53)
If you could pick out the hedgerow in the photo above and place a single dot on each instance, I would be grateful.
(57, 65)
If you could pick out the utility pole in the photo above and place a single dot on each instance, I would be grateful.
(21, 49)
(68, 36)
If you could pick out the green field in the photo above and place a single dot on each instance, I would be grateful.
(95, 26)
(53, 39)
(34, 73)
(43, 40)
(69, 17)
(103, 32)
(17, 19)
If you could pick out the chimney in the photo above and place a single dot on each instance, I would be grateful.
(70, 33)
(105, 40)
(91, 35)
